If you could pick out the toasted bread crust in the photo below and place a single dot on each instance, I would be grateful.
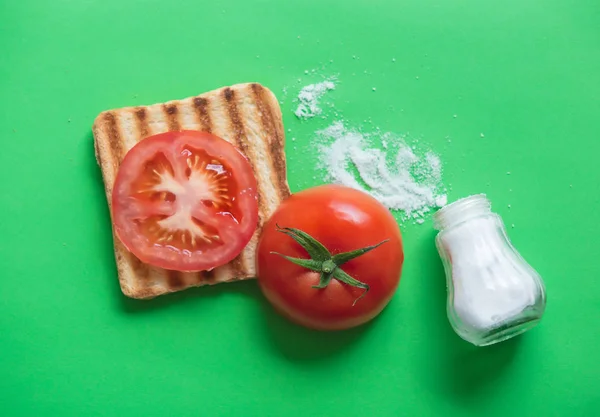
(246, 115)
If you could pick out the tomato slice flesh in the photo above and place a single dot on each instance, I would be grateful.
(185, 201)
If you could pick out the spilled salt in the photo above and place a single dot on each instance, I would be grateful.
(309, 97)
(397, 176)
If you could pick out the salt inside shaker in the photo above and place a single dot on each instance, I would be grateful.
(493, 293)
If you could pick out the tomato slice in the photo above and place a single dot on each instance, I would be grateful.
(185, 201)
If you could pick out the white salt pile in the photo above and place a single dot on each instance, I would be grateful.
(396, 176)
(308, 99)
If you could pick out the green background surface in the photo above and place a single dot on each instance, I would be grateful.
(526, 74)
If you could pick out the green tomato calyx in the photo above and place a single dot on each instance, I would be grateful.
(322, 261)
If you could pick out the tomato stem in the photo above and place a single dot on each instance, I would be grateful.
(324, 281)
(321, 260)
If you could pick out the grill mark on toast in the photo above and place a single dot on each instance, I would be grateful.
(141, 120)
(171, 114)
(236, 123)
(139, 268)
(241, 141)
(202, 115)
(267, 120)
(158, 119)
(114, 136)
(205, 276)
(117, 150)
(174, 279)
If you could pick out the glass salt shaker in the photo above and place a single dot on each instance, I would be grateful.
(493, 294)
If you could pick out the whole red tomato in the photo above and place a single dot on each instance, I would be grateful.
(330, 292)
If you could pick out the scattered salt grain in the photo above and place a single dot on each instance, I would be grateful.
(398, 177)
(308, 99)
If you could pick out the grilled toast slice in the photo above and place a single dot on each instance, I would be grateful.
(246, 115)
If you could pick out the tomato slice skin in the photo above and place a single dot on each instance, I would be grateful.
(185, 201)
(343, 220)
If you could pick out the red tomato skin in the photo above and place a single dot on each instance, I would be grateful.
(342, 219)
